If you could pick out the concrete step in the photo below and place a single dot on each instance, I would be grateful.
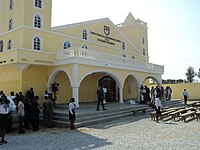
(88, 115)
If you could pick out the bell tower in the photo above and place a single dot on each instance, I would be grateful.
(18, 13)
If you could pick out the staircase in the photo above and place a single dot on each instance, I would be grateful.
(87, 114)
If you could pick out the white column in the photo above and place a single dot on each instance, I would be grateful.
(138, 93)
(121, 95)
(75, 87)
(75, 95)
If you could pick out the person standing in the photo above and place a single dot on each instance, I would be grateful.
(72, 113)
(4, 111)
(158, 106)
(35, 111)
(100, 94)
(30, 94)
(21, 115)
(27, 116)
(185, 95)
(49, 112)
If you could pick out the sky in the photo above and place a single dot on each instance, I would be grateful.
(173, 27)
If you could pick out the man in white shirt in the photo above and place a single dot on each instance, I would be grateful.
(185, 95)
(72, 113)
(158, 106)
(12, 103)
(21, 114)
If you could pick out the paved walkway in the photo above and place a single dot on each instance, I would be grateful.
(130, 133)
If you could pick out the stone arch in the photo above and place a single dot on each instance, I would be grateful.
(158, 80)
(131, 84)
(91, 79)
(119, 83)
(53, 75)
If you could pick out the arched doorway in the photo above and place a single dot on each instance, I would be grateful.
(110, 84)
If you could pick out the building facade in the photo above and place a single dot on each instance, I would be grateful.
(78, 56)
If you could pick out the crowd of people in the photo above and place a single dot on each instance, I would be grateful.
(27, 109)
(149, 95)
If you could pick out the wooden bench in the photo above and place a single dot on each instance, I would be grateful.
(198, 115)
(139, 109)
(185, 115)
(177, 113)
(166, 114)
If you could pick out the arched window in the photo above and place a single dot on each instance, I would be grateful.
(85, 34)
(123, 45)
(124, 55)
(85, 46)
(9, 44)
(38, 3)
(143, 41)
(10, 26)
(11, 4)
(36, 43)
(37, 21)
(1, 46)
(144, 52)
(66, 45)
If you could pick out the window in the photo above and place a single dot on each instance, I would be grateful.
(36, 43)
(123, 46)
(66, 45)
(144, 52)
(85, 46)
(85, 34)
(1, 46)
(9, 44)
(38, 3)
(143, 42)
(11, 4)
(10, 26)
(37, 21)
(124, 55)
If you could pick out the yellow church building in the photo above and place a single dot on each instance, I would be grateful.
(78, 56)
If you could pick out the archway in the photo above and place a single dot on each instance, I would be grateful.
(110, 84)
(64, 89)
(130, 88)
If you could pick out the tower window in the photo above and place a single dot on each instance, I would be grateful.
(123, 46)
(144, 52)
(36, 43)
(11, 4)
(37, 21)
(38, 3)
(85, 34)
(66, 45)
(10, 26)
(1, 46)
(143, 41)
(9, 44)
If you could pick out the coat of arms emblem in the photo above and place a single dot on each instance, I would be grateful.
(106, 30)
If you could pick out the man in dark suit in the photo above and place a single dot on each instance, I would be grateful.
(30, 94)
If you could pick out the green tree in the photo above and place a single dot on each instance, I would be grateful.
(190, 74)
(198, 73)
